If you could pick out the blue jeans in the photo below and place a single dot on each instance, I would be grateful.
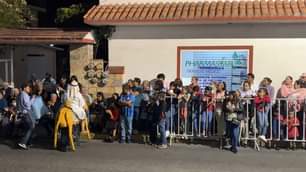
(126, 124)
(29, 127)
(275, 128)
(162, 131)
(262, 122)
(195, 118)
(171, 118)
(234, 133)
(207, 120)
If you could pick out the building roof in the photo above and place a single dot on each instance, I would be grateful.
(198, 12)
(45, 36)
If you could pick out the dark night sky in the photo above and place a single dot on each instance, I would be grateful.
(47, 19)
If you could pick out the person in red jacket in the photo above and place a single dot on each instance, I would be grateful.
(262, 103)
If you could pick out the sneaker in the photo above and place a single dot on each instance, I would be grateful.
(23, 146)
(162, 146)
(228, 146)
(262, 138)
(122, 141)
(234, 150)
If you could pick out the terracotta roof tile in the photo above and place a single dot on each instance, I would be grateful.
(212, 9)
(186, 10)
(220, 9)
(272, 8)
(158, 11)
(165, 11)
(235, 9)
(199, 8)
(172, 11)
(145, 11)
(139, 11)
(113, 12)
(287, 7)
(302, 7)
(107, 12)
(205, 9)
(192, 10)
(179, 10)
(228, 9)
(257, 8)
(242, 9)
(199, 11)
(151, 11)
(264, 8)
(280, 8)
(295, 8)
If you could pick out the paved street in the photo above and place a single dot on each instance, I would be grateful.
(96, 156)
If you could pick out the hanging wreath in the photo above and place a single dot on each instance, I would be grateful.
(99, 66)
(90, 73)
(96, 75)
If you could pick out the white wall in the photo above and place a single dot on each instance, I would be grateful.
(24, 67)
(146, 51)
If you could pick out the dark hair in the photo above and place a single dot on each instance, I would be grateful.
(246, 82)
(161, 76)
(268, 79)
(172, 83)
(138, 80)
(196, 78)
(100, 94)
(299, 82)
(117, 95)
(208, 88)
(290, 77)
(235, 97)
(159, 85)
(26, 84)
(196, 88)
(73, 78)
(178, 82)
(224, 83)
(251, 75)
(263, 89)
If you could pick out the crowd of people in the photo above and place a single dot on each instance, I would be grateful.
(154, 108)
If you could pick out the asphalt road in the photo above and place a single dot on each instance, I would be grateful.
(96, 156)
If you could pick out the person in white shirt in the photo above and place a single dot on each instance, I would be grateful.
(253, 85)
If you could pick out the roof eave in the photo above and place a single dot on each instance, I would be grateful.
(200, 21)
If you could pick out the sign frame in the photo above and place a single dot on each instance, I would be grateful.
(180, 49)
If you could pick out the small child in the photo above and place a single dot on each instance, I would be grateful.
(113, 111)
(183, 99)
(292, 123)
(262, 103)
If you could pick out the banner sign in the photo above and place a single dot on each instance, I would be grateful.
(228, 64)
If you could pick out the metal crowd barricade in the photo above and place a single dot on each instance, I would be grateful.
(281, 126)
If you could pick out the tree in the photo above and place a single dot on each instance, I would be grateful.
(14, 13)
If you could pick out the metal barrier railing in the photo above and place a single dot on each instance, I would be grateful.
(284, 121)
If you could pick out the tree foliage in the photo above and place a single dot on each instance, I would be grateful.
(14, 13)
(67, 13)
